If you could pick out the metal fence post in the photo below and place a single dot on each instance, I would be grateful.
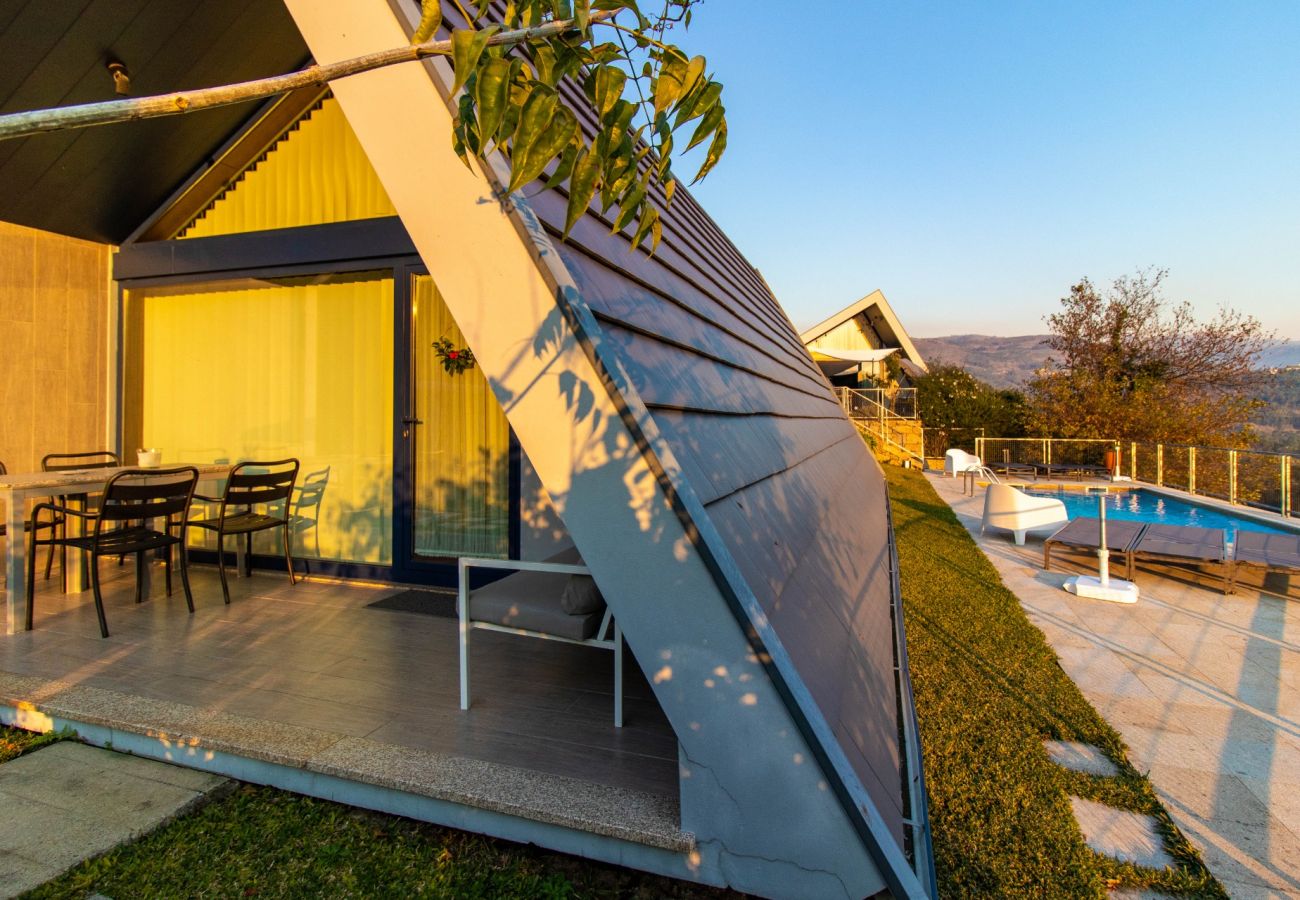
(1160, 465)
(1286, 486)
(1047, 451)
(1232, 476)
(1191, 470)
(1133, 460)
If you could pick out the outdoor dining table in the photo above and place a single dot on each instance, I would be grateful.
(17, 489)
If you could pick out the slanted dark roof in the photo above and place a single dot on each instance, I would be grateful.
(786, 479)
(101, 183)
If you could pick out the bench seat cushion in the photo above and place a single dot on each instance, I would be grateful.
(531, 601)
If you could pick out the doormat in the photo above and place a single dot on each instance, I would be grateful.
(429, 603)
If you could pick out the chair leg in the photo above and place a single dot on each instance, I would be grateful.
(185, 572)
(139, 575)
(31, 571)
(221, 566)
(99, 598)
(288, 557)
(618, 675)
(462, 609)
(167, 569)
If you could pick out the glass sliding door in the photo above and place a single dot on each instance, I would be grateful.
(459, 443)
(269, 368)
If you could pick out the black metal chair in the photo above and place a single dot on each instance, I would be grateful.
(68, 462)
(122, 525)
(27, 526)
(249, 485)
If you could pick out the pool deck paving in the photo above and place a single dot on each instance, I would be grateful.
(1203, 687)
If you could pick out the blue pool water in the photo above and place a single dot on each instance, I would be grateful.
(1146, 506)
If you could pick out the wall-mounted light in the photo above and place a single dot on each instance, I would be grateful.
(121, 77)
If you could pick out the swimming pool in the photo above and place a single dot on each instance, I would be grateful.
(1140, 505)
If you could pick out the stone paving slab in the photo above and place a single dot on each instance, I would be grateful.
(68, 802)
(1080, 757)
(1120, 834)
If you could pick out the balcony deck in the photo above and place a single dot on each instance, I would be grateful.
(312, 677)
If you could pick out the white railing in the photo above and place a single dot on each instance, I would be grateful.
(1241, 477)
(884, 403)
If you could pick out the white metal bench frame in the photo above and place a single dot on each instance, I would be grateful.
(609, 636)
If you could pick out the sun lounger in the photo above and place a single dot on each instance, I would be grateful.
(1272, 552)
(1184, 544)
(1014, 470)
(1084, 533)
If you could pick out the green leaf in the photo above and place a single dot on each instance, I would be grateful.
(628, 209)
(466, 48)
(706, 98)
(533, 119)
(557, 135)
(707, 126)
(567, 161)
(582, 188)
(644, 227)
(491, 92)
(582, 14)
(691, 79)
(430, 20)
(668, 86)
(716, 149)
(609, 81)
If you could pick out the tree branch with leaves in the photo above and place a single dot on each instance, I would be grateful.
(509, 72)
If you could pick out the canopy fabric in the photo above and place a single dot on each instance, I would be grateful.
(856, 356)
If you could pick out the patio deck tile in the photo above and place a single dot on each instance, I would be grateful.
(310, 677)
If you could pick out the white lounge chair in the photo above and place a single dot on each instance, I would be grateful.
(1018, 512)
(957, 461)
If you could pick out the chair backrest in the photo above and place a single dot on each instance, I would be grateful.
(91, 459)
(147, 494)
(256, 483)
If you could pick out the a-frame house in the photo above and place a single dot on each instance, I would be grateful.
(660, 414)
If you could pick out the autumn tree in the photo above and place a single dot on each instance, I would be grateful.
(1128, 364)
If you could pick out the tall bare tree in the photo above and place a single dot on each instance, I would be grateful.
(1128, 364)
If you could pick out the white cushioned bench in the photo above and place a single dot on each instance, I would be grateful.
(552, 600)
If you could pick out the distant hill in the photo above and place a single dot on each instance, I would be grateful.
(1011, 361)
(1001, 361)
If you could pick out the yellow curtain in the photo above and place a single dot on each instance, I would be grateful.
(462, 448)
(317, 173)
(268, 369)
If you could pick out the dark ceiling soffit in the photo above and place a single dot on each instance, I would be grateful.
(337, 242)
(262, 130)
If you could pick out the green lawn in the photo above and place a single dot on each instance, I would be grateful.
(988, 692)
(260, 842)
(14, 742)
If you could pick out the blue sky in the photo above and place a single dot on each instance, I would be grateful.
(974, 160)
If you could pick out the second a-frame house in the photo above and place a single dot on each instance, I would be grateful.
(658, 414)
